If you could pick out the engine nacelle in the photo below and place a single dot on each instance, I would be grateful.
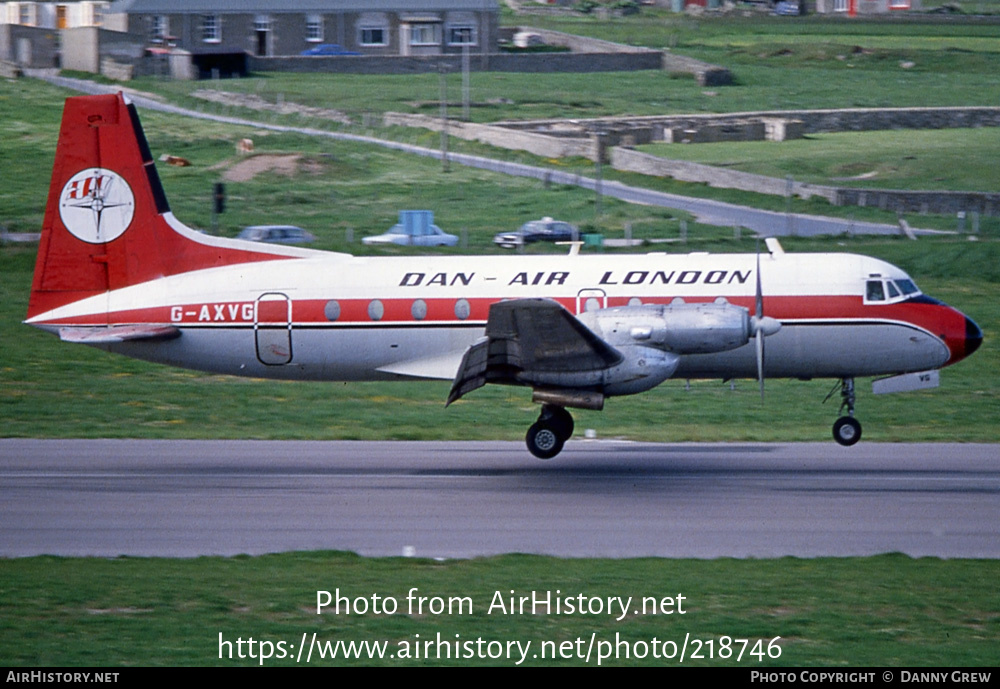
(643, 368)
(652, 338)
(680, 328)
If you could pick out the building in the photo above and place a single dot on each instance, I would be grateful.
(266, 28)
(54, 15)
(854, 8)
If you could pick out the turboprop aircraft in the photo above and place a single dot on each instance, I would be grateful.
(118, 271)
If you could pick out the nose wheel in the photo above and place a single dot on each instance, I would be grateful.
(847, 429)
(546, 437)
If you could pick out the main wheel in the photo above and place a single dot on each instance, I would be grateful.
(543, 440)
(846, 430)
(559, 419)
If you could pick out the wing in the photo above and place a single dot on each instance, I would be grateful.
(527, 336)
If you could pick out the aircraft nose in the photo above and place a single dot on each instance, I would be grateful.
(973, 336)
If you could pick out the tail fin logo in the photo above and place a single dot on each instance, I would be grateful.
(96, 205)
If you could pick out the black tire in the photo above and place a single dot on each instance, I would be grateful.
(847, 431)
(560, 420)
(544, 441)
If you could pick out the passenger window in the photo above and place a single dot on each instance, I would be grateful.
(875, 291)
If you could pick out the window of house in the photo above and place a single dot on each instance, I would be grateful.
(26, 14)
(159, 28)
(459, 34)
(314, 28)
(423, 34)
(374, 35)
(899, 4)
(261, 22)
(98, 15)
(840, 5)
(211, 28)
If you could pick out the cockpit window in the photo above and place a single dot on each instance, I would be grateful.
(883, 290)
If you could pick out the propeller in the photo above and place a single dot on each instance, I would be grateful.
(761, 326)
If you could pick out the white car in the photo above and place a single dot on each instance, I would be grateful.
(415, 228)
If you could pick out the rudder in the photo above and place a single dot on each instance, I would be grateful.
(107, 221)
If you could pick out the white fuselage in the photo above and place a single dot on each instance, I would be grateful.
(337, 317)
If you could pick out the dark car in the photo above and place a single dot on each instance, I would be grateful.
(328, 49)
(544, 230)
(276, 234)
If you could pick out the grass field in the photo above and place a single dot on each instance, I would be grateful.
(951, 159)
(350, 187)
(854, 612)
(888, 610)
(803, 63)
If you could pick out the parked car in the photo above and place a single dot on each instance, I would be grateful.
(276, 234)
(328, 49)
(544, 230)
(415, 228)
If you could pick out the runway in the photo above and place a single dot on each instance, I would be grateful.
(466, 499)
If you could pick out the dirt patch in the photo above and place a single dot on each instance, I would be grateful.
(248, 168)
(283, 107)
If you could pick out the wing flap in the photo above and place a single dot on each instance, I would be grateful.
(526, 336)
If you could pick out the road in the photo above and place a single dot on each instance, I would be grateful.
(466, 499)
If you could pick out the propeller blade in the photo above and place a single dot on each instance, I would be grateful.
(759, 316)
(760, 363)
(760, 292)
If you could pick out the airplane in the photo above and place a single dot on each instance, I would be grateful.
(116, 270)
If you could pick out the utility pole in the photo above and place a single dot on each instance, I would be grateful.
(443, 71)
(599, 137)
(465, 83)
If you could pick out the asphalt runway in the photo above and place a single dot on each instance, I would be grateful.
(465, 499)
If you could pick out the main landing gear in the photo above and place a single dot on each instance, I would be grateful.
(547, 436)
(846, 429)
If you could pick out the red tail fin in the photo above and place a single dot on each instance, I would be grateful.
(107, 223)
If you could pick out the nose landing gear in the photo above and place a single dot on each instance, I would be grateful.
(846, 429)
(546, 437)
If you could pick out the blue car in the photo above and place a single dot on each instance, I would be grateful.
(328, 49)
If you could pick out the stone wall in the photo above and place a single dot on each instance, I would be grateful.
(806, 121)
(539, 144)
(944, 202)
(9, 70)
(492, 62)
(685, 171)
(903, 201)
(29, 46)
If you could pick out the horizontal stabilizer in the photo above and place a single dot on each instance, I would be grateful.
(113, 334)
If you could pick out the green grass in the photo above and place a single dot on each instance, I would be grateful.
(954, 159)
(810, 62)
(889, 610)
(353, 187)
